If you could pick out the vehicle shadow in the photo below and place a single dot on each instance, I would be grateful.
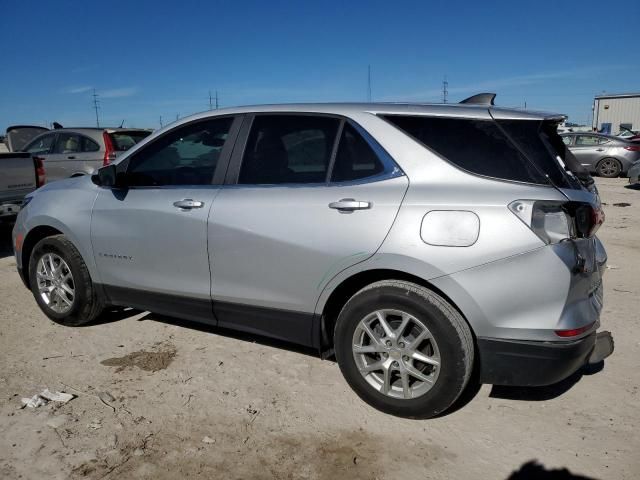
(237, 335)
(633, 186)
(533, 470)
(548, 392)
(6, 248)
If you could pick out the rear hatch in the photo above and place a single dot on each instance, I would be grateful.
(18, 136)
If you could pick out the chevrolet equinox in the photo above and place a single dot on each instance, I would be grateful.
(417, 243)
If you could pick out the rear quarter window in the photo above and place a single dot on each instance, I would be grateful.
(123, 141)
(505, 150)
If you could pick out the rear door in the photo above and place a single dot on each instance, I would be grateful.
(308, 196)
(150, 238)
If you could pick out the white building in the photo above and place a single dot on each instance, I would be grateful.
(615, 112)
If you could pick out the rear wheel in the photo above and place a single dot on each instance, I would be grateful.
(609, 168)
(61, 284)
(404, 349)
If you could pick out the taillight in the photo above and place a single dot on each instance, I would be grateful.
(555, 221)
(633, 148)
(109, 151)
(574, 331)
(41, 179)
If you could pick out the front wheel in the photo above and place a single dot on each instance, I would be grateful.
(404, 349)
(61, 284)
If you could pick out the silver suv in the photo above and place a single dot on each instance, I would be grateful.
(419, 243)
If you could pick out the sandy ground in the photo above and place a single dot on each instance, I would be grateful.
(160, 398)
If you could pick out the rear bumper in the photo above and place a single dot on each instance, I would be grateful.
(531, 363)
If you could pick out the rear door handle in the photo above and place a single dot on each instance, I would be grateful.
(71, 157)
(599, 149)
(188, 204)
(349, 205)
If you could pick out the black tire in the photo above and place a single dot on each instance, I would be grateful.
(609, 168)
(86, 304)
(447, 326)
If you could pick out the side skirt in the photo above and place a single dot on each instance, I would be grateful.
(287, 325)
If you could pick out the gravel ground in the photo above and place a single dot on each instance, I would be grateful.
(164, 399)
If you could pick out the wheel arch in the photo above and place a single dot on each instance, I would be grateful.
(31, 239)
(354, 283)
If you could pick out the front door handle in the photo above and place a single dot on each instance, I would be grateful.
(349, 205)
(599, 149)
(188, 204)
(71, 157)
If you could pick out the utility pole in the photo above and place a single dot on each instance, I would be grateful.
(96, 106)
(160, 121)
(217, 104)
(210, 101)
(177, 117)
(445, 90)
(369, 83)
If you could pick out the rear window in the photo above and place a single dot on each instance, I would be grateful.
(125, 140)
(508, 150)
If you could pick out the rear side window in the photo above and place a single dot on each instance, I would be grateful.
(587, 140)
(123, 141)
(355, 158)
(288, 149)
(89, 145)
(68, 143)
(483, 147)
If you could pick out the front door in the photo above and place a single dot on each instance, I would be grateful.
(150, 239)
(313, 196)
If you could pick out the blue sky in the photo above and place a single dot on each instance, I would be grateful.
(152, 59)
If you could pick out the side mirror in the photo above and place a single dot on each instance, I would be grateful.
(105, 176)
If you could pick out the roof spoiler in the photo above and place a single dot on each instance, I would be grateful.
(480, 99)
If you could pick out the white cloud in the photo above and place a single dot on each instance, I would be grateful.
(79, 89)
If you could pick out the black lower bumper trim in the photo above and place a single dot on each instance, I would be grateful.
(529, 363)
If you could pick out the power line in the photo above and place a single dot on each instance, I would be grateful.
(96, 106)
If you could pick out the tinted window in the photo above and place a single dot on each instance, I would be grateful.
(186, 156)
(123, 141)
(566, 140)
(539, 141)
(355, 158)
(478, 146)
(41, 145)
(288, 149)
(68, 143)
(89, 145)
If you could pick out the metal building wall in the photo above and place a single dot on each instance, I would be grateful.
(621, 110)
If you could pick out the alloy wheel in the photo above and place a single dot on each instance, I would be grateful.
(55, 282)
(396, 354)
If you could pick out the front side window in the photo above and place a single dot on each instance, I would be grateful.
(355, 158)
(288, 149)
(41, 145)
(186, 156)
(68, 143)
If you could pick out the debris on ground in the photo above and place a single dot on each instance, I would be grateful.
(612, 267)
(46, 396)
(208, 440)
(149, 361)
(622, 204)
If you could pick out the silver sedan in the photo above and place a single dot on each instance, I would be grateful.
(606, 155)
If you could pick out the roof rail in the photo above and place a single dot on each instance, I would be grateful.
(480, 99)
